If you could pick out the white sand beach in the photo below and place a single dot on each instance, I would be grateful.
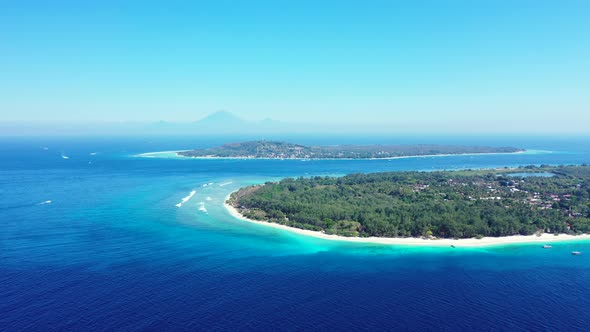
(473, 242)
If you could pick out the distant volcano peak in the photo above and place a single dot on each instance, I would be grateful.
(221, 117)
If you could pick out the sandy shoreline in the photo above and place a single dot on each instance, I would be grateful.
(483, 242)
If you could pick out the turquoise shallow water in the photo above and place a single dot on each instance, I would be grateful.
(113, 252)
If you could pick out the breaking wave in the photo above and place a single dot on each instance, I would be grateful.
(184, 200)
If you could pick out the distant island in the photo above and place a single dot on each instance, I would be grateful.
(443, 204)
(283, 150)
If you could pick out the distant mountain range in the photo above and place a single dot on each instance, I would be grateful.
(221, 122)
(226, 123)
(217, 123)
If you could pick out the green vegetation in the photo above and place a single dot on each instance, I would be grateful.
(282, 150)
(446, 204)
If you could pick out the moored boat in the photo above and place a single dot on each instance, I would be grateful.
(576, 253)
(546, 246)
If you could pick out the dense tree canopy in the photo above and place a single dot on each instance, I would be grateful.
(449, 204)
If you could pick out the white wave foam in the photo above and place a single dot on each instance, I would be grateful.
(225, 184)
(208, 198)
(185, 199)
(45, 202)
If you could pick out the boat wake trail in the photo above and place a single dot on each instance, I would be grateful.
(23, 205)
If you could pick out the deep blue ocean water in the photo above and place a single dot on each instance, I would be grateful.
(113, 252)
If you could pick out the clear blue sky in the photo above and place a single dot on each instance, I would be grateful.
(461, 65)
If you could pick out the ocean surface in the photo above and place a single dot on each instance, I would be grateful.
(92, 239)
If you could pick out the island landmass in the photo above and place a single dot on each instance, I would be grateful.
(284, 150)
(527, 204)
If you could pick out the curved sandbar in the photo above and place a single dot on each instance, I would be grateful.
(414, 241)
(160, 154)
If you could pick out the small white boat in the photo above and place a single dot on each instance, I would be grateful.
(575, 253)
(546, 246)
(64, 156)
